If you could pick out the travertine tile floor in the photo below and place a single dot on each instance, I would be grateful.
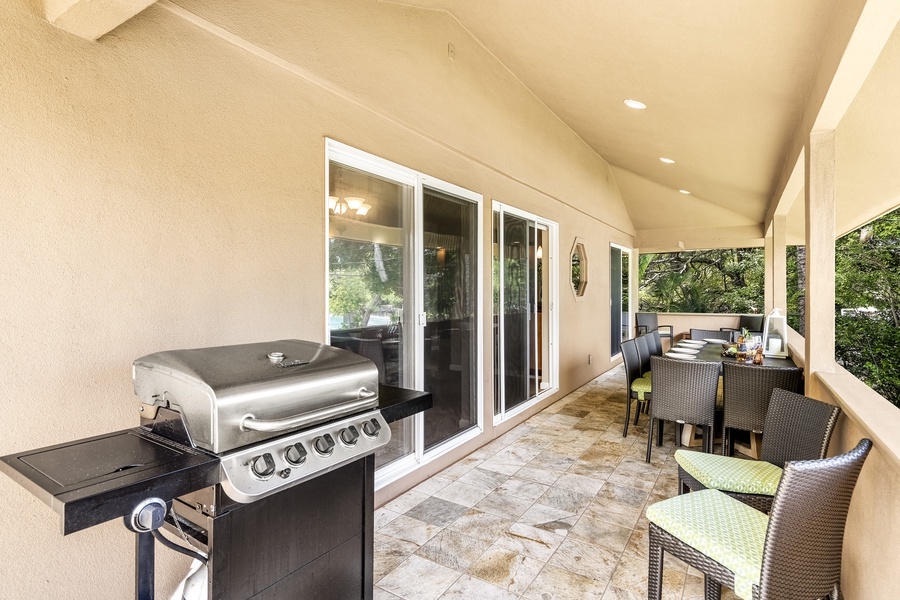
(554, 509)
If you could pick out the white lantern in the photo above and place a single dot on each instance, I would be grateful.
(775, 335)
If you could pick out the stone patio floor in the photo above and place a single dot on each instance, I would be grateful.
(553, 509)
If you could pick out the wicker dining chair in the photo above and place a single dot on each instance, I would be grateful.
(637, 388)
(684, 392)
(714, 334)
(645, 322)
(794, 553)
(752, 323)
(643, 349)
(746, 391)
(797, 428)
(654, 343)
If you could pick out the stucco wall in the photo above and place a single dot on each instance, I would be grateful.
(162, 188)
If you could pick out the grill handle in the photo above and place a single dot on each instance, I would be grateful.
(253, 424)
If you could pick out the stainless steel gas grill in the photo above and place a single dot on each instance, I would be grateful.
(259, 455)
(276, 413)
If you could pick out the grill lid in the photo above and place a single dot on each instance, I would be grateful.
(232, 396)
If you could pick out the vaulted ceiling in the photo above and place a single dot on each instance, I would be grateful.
(726, 85)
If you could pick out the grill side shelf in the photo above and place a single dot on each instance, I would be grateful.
(397, 403)
(97, 479)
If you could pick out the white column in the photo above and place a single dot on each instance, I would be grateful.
(633, 287)
(779, 263)
(769, 281)
(820, 230)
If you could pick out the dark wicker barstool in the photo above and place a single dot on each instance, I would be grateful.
(797, 428)
(746, 391)
(637, 388)
(795, 553)
(715, 334)
(684, 392)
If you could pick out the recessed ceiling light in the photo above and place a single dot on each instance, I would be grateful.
(668, 161)
(684, 192)
(635, 104)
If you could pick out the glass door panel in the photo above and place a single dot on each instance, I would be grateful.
(370, 274)
(496, 315)
(517, 333)
(450, 302)
(523, 315)
(618, 293)
(615, 294)
(540, 312)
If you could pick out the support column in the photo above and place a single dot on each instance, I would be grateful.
(820, 228)
(779, 255)
(634, 286)
(769, 281)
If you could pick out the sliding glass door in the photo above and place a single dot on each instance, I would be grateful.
(620, 311)
(524, 316)
(403, 291)
(451, 304)
(371, 277)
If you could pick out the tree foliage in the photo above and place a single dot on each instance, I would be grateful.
(867, 296)
(364, 279)
(706, 281)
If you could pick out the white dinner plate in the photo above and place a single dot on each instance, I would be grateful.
(681, 356)
(686, 350)
(687, 344)
(715, 341)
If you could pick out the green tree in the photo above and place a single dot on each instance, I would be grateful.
(867, 296)
(729, 280)
(364, 278)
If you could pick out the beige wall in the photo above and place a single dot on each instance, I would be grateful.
(163, 188)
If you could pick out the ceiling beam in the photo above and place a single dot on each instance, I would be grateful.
(858, 34)
(91, 19)
(701, 238)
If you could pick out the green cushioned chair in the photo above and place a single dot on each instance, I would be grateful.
(797, 428)
(638, 388)
(795, 552)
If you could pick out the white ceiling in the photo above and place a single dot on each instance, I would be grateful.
(725, 84)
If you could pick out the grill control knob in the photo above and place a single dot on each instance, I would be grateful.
(295, 454)
(349, 435)
(263, 466)
(324, 444)
(371, 428)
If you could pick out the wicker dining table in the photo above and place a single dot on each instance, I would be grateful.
(712, 352)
